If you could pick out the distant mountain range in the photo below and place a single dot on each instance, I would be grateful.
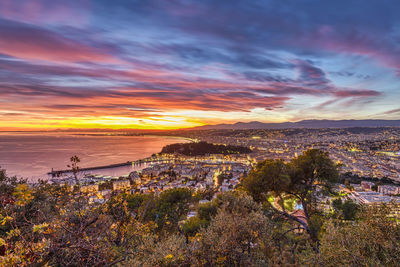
(303, 124)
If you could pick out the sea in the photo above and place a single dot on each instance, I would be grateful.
(32, 155)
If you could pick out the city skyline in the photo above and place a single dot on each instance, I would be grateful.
(178, 64)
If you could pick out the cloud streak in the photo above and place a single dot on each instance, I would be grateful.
(31, 43)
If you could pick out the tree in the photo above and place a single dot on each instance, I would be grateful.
(207, 210)
(171, 206)
(170, 250)
(7, 186)
(349, 210)
(267, 176)
(193, 225)
(135, 201)
(75, 167)
(238, 235)
(373, 240)
(304, 179)
(337, 204)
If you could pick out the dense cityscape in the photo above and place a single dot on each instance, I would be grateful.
(368, 159)
(367, 152)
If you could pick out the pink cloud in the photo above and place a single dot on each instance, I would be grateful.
(44, 11)
(26, 42)
(354, 42)
(356, 93)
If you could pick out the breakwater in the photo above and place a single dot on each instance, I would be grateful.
(56, 173)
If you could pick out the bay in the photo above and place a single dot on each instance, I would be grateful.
(32, 155)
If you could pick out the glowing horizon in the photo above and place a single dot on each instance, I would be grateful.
(170, 65)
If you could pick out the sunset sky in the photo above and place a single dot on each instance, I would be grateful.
(172, 64)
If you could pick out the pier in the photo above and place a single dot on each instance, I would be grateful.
(55, 173)
(58, 172)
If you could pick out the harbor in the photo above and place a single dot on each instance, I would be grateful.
(103, 172)
(57, 173)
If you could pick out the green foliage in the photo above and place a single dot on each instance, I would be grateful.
(289, 203)
(207, 210)
(316, 222)
(346, 210)
(350, 210)
(194, 224)
(374, 240)
(312, 166)
(203, 194)
(302, 180)
(337, 204)
(22, 194)
(135, 201)
(51, 225)
(267, 176)
(203, 148)
(237, 201)
(237, 236)
(171, 250)
(170, 208)
(175, 196)
(7, 183)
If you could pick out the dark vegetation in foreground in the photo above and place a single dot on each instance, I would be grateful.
(204, 148)
(255, 225)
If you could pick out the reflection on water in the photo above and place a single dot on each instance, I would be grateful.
(32, 155)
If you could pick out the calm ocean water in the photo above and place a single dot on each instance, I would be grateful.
(32, 155)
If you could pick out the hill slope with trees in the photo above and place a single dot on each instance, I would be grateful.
(204, 148)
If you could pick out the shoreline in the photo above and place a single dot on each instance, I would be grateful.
(55, 173)
(51, 158)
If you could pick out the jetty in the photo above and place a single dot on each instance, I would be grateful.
(56, 173)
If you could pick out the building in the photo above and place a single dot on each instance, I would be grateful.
(191, 214)
(90, 188)
(389, 189)
(95, 199)
(121, 184)
(367, 185)
(106, 193)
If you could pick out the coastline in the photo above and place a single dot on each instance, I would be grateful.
(53, 173)
(33, 156)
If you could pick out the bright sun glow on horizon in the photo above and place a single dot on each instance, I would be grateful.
(106, 122)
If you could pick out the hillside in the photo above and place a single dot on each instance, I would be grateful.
(203, 148)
